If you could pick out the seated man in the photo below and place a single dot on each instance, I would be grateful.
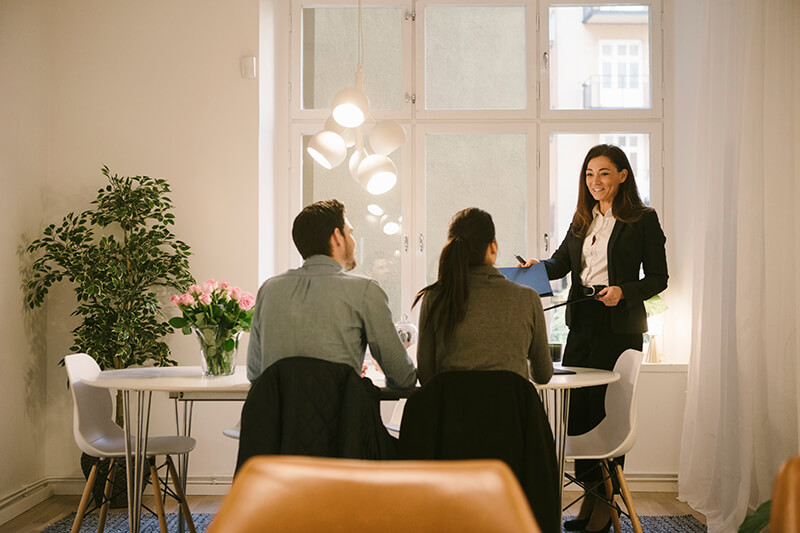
(321, 310)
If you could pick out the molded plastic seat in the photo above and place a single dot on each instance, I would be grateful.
(233, 431)
(784, 515)
(616, 433)
(295, 493)
(97, 434)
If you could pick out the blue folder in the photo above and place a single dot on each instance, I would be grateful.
(534, 277)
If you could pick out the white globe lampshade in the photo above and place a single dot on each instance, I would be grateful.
(327, 148)
(377, 174)
(350, 107)
(355, 160)
(391, 228)
(386, 137)
(347, 134)
(375, 209)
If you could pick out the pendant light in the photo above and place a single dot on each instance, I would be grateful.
(369, 163)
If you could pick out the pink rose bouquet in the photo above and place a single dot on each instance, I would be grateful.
(216, 313)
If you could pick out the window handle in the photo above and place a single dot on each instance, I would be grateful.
(421, 242)
(546, 60)
(405, 242)
(546, 242)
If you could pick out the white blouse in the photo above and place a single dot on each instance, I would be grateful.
(594, 259)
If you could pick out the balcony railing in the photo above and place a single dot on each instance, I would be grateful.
(616, 92)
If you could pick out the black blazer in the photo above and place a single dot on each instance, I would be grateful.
(480, 414)
(630, 246)
(307, 406)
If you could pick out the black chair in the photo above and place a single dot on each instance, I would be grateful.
(306, 406)
(487, 415)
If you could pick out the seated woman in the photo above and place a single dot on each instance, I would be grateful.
(472, 317)
(482, 338)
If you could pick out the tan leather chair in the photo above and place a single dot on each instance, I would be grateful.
(784, 517)
(292, 493)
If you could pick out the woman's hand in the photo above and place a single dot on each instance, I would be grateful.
(529, 262)
(610, 296)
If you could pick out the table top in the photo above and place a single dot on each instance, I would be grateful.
(188, 382)
(171, 379)
(583, 377)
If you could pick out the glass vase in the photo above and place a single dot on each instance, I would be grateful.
(218, 348)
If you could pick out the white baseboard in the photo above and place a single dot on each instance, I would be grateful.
(638, 482)
(23, 499)
(196, 486)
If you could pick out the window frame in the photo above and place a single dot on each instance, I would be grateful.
(536, 121)
(656, 109)
(532, 102)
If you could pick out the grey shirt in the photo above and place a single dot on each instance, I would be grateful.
(321, 311)
(504, 329)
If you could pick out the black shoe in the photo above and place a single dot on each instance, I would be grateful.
(606, 529)
(576, 524)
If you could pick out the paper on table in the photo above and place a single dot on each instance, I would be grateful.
(534, 277)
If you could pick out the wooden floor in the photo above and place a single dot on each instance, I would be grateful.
(55, 508)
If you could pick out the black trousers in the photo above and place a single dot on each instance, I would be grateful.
(592, 344)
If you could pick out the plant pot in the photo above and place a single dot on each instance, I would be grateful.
(119, 490)
(218, 348)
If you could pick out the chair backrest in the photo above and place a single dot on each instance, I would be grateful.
(497, 414)
(293, 493)
(93, 420)
(784, 516)
(308, 406)
(621, 399)
(616, 433)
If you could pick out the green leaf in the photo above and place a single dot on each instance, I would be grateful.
(758, 521)
(178, 322)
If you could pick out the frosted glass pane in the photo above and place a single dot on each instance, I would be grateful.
(567, 151)
(330, 54)
(600, 57)
(475, 57)
(377, 253)
(475, 170)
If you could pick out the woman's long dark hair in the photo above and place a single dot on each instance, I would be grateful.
(627, 205)
(471, 232)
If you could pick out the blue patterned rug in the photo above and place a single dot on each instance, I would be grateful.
(665, 524)
(118, 523)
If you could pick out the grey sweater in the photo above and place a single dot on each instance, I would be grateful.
(504, 329)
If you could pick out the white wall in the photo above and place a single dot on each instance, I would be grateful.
(23, 168)
(146, 87)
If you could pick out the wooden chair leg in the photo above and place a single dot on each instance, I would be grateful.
(176, 482)
(112, 471)
(87, 494)
(628, 499)
(162, 520)
(610, 495)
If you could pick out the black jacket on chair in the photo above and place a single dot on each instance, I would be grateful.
(306, 406)
(487, 415)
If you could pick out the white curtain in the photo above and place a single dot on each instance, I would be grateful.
(742, 416)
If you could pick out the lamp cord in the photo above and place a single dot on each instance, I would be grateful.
(360, 38)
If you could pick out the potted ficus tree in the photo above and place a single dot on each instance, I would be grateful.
(118, 255)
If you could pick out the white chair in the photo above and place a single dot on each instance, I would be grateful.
(98, 435)
(616, 433)
(393, 425)
(233, 431)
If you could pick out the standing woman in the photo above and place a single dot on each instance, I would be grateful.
(612, 235)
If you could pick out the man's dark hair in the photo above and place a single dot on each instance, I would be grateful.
(313, 227)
